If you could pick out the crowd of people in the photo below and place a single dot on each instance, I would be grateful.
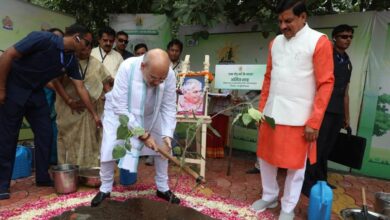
(305, 90)
(84, 78)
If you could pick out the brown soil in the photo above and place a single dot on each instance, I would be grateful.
(137, 208)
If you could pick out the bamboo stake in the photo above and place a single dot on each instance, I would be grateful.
(364, 208)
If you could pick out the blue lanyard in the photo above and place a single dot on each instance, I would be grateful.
(62, 59)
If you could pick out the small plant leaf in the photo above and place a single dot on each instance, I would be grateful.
(128, 145)
(123, 119)
(138, 131)
(177, 151)
(118, 152)
(255, 114)
(236, 118)
(246, 119)
(122, 132)
(216, 133)
(270, 121)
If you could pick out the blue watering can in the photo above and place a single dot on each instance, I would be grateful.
(320, 204)
(23, 160)
(126, 177)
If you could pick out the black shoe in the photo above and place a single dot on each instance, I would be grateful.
(168, 196)
(331, 186)
(99, 198)
(254, 170)
(4, 195)
(45, 184)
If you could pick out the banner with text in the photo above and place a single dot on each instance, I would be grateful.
(239, 77)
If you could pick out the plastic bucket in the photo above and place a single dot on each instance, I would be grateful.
(65, 178)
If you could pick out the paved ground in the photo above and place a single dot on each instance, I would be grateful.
(238, 185)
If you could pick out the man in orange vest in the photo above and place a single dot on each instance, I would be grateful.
(296, 90)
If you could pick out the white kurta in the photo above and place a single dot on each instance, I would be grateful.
(111, 60)
(153, 108)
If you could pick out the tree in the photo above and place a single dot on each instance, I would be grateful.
(186, 12)
(94, 14)
(206, 13)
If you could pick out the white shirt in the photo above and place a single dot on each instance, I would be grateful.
(111, 60)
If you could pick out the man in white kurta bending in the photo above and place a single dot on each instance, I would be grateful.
(145, 91)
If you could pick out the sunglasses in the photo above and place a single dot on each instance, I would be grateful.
(345, 36)
(123, 41)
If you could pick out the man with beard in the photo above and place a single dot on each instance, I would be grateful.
(104, 52)
(297, 86)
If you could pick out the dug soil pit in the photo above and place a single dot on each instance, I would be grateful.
(136, 208)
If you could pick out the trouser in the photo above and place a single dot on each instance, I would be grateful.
(292, 185)
(161, 177)
(11, 116)
(330, 128)
(51, 99)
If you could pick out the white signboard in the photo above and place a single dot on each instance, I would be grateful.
(239, 77)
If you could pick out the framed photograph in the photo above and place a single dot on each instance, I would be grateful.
(191, 97)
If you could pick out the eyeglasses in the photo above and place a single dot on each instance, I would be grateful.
(123, 41)
(156, 79)
(345, 36)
